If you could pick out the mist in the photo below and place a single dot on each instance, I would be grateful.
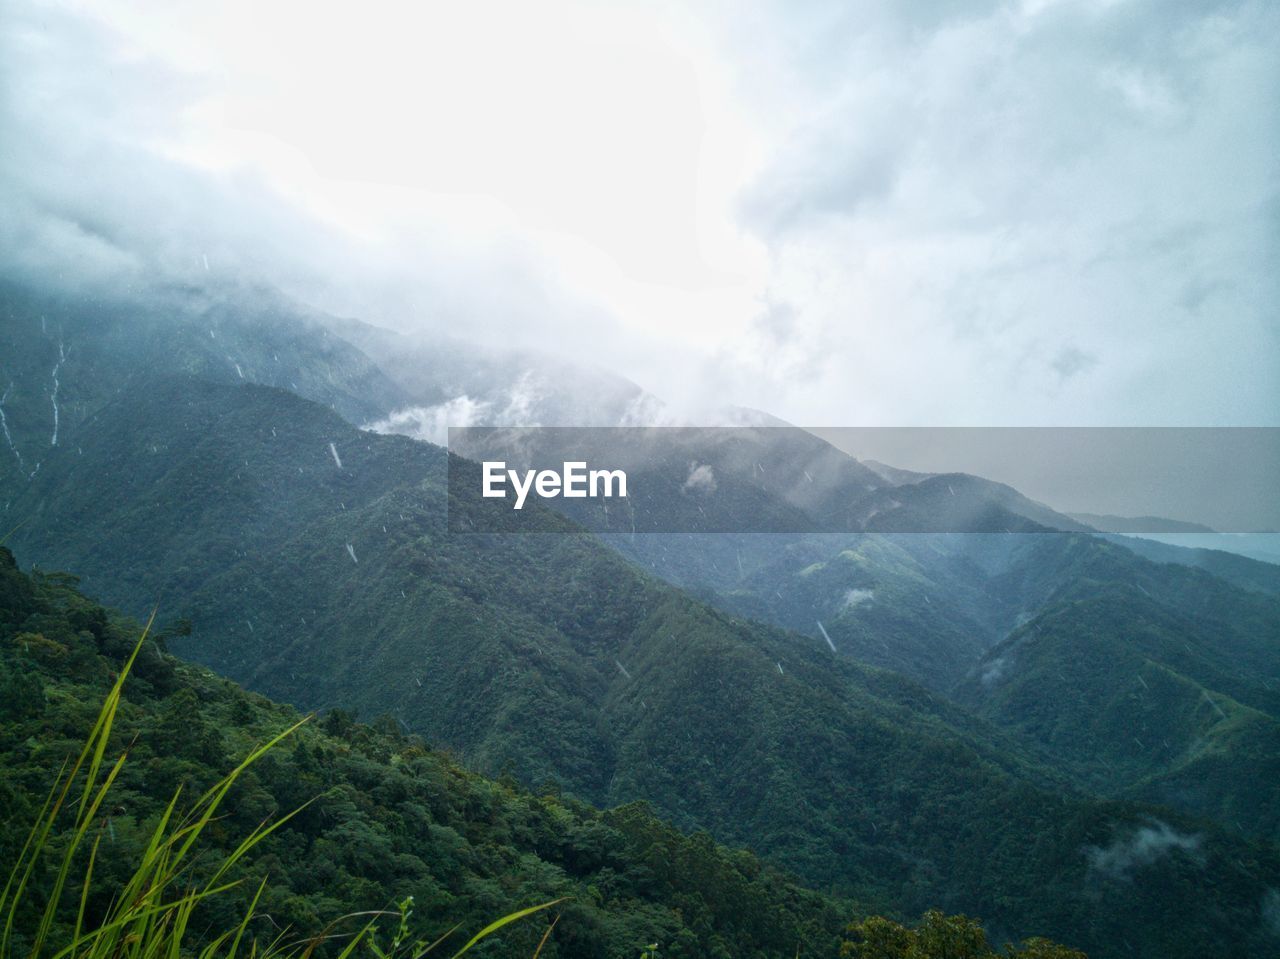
(1145, 847)
(969, 214)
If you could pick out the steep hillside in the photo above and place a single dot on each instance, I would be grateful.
(1042, 634)
(1129, 695)
(388, 817)
(61, 359)
(1233, 567)
(331, 581)
(876, 599)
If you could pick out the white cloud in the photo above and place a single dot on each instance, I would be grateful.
(1144, 847)
(962, 212)
(701, 479)
(1036, 215)
(431, 423)
(856, 597)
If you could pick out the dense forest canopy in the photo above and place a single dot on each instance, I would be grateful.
(373, 818)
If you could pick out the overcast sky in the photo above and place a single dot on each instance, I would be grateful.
(947, 212)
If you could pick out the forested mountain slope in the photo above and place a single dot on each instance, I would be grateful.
(331, 581)
(387, 817)
(62, 357)
(1127, 693)
(1050, 637)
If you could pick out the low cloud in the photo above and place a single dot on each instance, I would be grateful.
(431, 423)
(920, 206)
(1142, 848)
(701, 479)
(994, 671)
(856, 597)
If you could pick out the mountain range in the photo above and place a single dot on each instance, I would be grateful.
(1052, 730)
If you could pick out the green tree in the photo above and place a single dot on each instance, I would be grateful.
(877, 938)
(950, 937)
(938, 936)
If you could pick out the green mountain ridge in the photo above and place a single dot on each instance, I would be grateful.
(550, 656)
(314, 562)
(1141, 722)
(387, 818)
(95, 348)
(947, 611)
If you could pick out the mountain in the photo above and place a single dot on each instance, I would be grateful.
(451, 382)
(387, 817)
(553, 658)
(1107, 523)
(63, 357)
(931, 605)
(1136, 697)
(871, 596)
(315, 563)
(966, 615)
(1242, 563)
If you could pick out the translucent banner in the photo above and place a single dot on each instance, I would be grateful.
(1174, 481)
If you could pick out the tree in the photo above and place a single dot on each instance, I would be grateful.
(951, 937)
(877, 938)
(938, 936)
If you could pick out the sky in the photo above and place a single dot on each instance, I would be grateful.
(940, 213)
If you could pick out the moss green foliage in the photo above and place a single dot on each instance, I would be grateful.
(1136, 679)
(880, 601)
(554, 661)
(937, 936)
(226, 503)
(162, 897)
(152, 911)
(339, 818)
(1124, 693)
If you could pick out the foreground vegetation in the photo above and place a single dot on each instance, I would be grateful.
(332, 838)
(335, 819)
(329, 581)
(151, 914)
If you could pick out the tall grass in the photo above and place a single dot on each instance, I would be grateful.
(150, 915)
